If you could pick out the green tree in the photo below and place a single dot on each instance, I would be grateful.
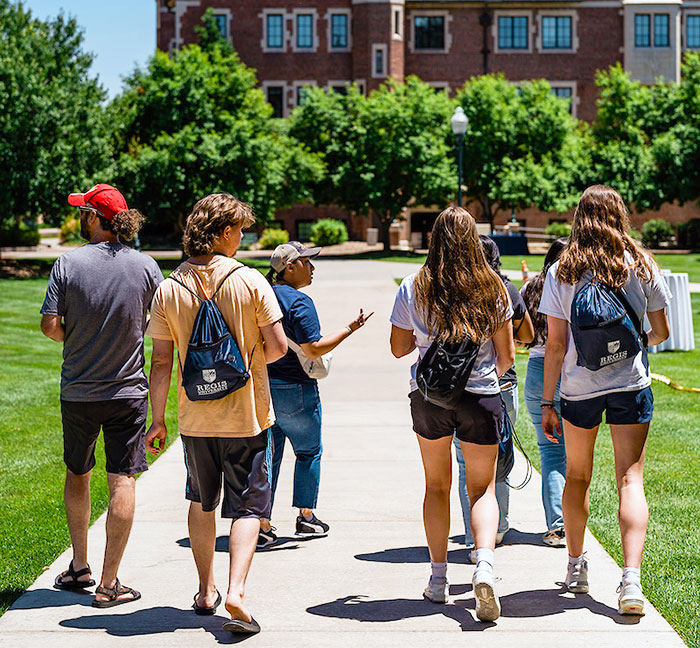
(195, 123)
(383, 152)
(52, 126)
(522, 146)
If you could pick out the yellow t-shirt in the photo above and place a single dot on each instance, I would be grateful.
(247, 303)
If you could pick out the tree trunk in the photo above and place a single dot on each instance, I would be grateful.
(384, 225)
(487, 212)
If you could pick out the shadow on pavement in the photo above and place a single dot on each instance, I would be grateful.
(512, 537)
(155, 620)
(222, 544)
(43, 598)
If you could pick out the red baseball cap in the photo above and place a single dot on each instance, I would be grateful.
(103, 197)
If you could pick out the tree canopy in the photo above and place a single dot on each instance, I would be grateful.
(51, 119)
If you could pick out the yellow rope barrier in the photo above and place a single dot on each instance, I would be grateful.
(654, 376)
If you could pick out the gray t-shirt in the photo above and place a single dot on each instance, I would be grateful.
(103, 292)
(579, 383)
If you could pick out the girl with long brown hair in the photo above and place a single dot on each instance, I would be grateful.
(453, 295)
(601, 250)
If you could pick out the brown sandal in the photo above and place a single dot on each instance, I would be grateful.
(114, 593)
(73, 583)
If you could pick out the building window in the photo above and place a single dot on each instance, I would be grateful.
(339, 89)
(512, 32)
(339, 31)
(692, 31)
(301, 95)
(222, 24)
(661, 30)
(429, 32)
(379, 61)
(275, 97)
(642, 30)
(305, 31)
(556, 32)
(397, 24)
(275, 31)
(564, 93)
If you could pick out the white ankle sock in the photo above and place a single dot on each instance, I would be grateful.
(438, 570)
(575, 560)
(484, 557)
(631, 575)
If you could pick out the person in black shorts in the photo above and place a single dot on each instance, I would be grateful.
(456, 294)
(96, 305)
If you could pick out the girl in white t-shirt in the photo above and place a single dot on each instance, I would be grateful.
(454, 294)
(601, 249)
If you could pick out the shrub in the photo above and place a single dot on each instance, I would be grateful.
(328, 231)
(558, 230)
(655, 232)
(271, 238)
(689, 234)
(636, 235)
(70, 232)
(21, 235)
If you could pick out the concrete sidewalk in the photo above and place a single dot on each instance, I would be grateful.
(362, 584)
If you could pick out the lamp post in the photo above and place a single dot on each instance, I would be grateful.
(459, 128)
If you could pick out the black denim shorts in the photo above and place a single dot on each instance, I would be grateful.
(241, 462)
(123, 423)
(478, 418)
(621, 408)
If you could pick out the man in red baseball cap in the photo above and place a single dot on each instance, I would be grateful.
(96, 305)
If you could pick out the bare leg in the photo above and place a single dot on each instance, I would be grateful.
(242, 541)
(76, 498)
(480, 463)
(629, 444)
(202, 528)
(437, 463)
(580, 443)
(120, 516)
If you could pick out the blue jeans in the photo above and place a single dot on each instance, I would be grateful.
(510, 400)
(552, 455)
(298, 412)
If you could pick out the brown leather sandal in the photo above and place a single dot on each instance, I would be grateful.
(114, 593)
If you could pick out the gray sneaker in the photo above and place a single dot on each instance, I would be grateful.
(577, 576)
(437, 589)
(631, 599)
(488, 607)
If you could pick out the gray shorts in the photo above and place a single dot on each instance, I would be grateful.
(242, 464)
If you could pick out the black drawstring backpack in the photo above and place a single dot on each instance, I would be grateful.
(214, 365)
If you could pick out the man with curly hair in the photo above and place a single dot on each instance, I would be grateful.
(96, 305)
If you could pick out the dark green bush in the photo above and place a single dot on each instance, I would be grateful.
(271, 238)
(689, 234)
(657, 231)
(328, 231)
(70, 232)
(19, 236)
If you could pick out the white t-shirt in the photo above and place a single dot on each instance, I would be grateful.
(483, 378)
(579, 383)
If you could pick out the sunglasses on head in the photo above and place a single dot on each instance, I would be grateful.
(88, 210)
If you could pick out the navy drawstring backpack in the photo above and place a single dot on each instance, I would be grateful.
(605, 328)
(214, 365)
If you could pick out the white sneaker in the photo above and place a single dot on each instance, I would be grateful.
(577, 576)
(488, 607)
(631, 599)
(555, 537)
(437, 589)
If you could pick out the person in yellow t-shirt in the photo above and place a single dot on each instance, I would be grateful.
(225, 437)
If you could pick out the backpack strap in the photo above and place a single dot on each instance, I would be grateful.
(221, 283)
(633, 316)
(224, 279)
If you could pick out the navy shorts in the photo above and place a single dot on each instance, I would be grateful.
(242, 464)
(621, 408)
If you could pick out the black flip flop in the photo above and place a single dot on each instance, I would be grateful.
(114, 593)
(74, 583)
(206, 611)
(238, 626)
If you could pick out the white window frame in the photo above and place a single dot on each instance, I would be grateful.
(229, 20)
(515, 13)
(329, 25)
(447, 15)
(285, 31)
(684, 29)
(441, 85)
(397, 10)
(295, 90)
(338, 83)
(285, 94)
(361, 86)
(380, 47)
(314, 31)
(575, 99)
(573, 14)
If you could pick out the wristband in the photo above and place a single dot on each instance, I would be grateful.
(349, 328)
(544, 405)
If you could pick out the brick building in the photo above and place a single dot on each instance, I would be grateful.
(294, 44)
